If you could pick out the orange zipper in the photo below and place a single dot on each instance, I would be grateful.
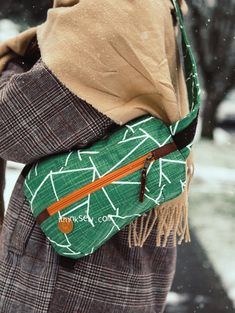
(142, 162)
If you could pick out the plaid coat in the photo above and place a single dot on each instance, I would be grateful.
(40, 116)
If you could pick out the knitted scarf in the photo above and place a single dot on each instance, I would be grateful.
(122, 57)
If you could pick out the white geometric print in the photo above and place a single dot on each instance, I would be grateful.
(132, 134)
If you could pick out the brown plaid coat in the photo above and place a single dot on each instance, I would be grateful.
(39, 116)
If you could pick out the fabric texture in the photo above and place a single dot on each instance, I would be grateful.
(115, 278)
(43, 121)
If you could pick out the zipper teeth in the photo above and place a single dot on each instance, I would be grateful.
(97, 184)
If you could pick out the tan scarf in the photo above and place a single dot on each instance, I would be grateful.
(122, 58)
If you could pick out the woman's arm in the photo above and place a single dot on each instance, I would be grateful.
(15, 66)
(39, 116)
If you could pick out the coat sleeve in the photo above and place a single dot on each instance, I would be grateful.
(39, 116)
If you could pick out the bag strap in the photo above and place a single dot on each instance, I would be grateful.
(191, 74)
(184, 130)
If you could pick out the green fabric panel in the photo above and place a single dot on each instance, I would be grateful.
(111, 208)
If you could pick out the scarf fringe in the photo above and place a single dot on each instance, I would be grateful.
(164, 219)
(167, 218)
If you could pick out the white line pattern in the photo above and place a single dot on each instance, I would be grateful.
(131, 134)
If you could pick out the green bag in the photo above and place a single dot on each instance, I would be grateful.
(81, 198)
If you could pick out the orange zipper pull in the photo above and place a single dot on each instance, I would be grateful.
(144, 177)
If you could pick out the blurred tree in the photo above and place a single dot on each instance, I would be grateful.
(213, 32)
(25, 13)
